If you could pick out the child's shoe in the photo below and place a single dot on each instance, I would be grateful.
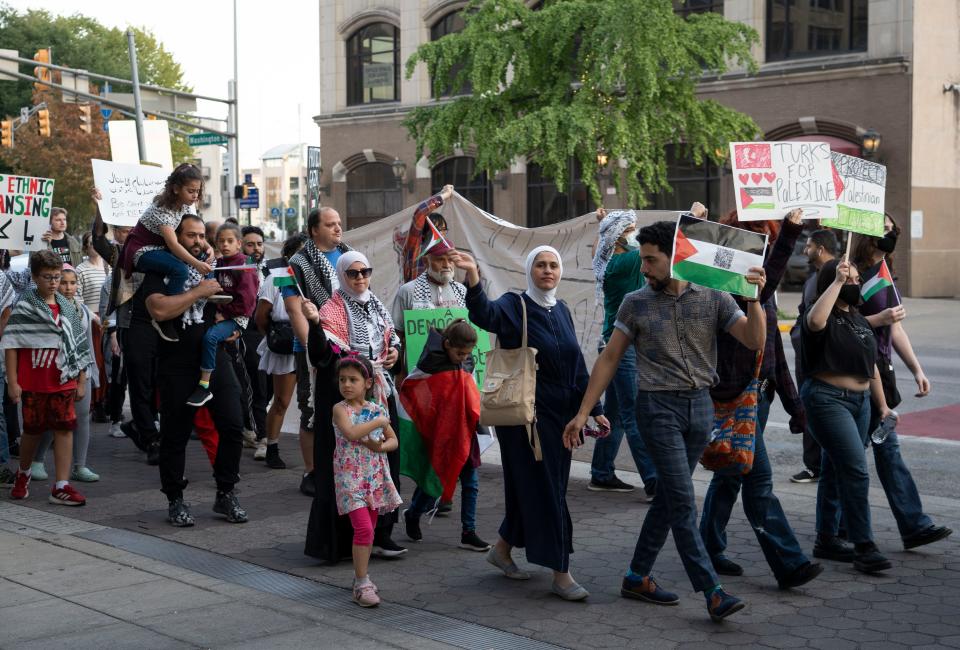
(38, 472)
(84, 475)
(365, 593)
(21, 485)
(200, 396)
(66, 496)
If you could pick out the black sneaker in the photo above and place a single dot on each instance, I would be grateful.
(831, 548)
(444, 508)
(611, 485)
(200, 396)
(926, 536)
(471, 542)
(307, 485)
(227, 504)
(387, 548)
(805, 476)
(178, 514)
(726, 567)
(867, 559)
(801, 575)
(273, 459)
(153, 454)
(167, 330)
(412, 526)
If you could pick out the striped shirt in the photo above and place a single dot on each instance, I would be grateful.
(90, 280)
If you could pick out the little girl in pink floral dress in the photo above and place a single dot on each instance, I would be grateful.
(361, 474)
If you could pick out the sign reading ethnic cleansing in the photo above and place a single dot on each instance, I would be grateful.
(25, 204)
(417, 324)
(861, 187)
(772, 178)
(126, 189)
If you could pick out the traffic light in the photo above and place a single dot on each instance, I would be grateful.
(43, 122)
(6, 133)
(85, 124)
(42, 73)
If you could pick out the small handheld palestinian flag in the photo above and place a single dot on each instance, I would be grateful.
(283, 277)
(716, 256)
(436, 239)
(879, 282)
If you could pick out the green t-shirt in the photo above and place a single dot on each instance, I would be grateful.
(621, 277)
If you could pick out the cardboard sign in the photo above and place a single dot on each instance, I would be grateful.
(25, 203)
(772, 178)
(861, 187)
(126, 189)
(123, 142)
(417, 324)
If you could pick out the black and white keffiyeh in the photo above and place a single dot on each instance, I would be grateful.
(423, 292)
(194, 313)
(318, 273)
(610, 230)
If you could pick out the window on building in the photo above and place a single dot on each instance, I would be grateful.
(690, 182)
(373, 65)
(450, 24)
(684, 8)
(547, 203)
(462, 174)
(372, 193)
(799, 28)
(294, 183)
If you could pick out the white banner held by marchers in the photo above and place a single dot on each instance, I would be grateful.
(25, 203)
(126, 189)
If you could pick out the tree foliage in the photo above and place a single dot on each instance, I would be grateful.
(579, 77)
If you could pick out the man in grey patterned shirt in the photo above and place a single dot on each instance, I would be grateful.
(673, 325)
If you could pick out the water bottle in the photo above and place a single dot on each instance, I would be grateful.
(887, 425)
(365, 416)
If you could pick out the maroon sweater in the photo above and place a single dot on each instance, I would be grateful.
(242, 285)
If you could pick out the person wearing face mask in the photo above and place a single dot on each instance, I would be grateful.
(820, 248)
(839, 355)
(885, 313)
(616, 267)
(537, 518)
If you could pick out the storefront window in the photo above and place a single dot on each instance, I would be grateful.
(372, 193)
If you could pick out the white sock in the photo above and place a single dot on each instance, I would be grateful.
(62, 484)
(361, 581)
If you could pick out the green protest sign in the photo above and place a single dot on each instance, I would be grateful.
(417, 324)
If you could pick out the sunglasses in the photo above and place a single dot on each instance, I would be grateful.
(355, 274)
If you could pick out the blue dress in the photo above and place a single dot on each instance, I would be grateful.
(537, 517)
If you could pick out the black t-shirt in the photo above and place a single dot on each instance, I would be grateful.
(175, 358)
(845, 346)
(62, 248)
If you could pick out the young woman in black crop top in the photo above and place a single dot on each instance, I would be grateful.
(839, 354)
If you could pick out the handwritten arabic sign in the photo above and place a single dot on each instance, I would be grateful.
(25, 203)
(861, 188)
(772, 178)
(126, 189)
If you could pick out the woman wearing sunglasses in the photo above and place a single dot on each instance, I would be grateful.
(353, 321)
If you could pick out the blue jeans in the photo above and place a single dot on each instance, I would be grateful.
(212, 338)
(898, 484)
(760, 504)
(469, 491)
(676, 427)
(167, 264)
(839, 420)
(620, 407)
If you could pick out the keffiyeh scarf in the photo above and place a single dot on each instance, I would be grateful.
(317, 271)
(611, 228)
(423, 292)
(194, 313)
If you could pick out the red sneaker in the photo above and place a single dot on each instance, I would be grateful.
(66, 496)
(20, 484)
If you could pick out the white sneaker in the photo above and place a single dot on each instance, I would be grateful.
(249, 439)
(116, 431)
(261, 451)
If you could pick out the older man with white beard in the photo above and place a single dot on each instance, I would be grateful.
(434, 288)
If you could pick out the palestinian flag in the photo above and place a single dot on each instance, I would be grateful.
(436, 239)
(438, 417)
(879, 282)
(716, 256)
(283, 276)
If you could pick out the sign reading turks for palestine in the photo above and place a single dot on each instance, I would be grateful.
(25, 203)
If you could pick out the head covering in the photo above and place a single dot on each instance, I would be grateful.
(68, 267)
(345, 262)
(442, 248)
(611, 229)
(543, 298)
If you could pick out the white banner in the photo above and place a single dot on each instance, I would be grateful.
(123, 142)
(25, 203)
(126, 189)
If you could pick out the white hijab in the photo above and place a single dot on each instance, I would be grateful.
(345, 262)
(545, 299)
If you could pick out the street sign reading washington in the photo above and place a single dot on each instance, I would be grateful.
(201, 139)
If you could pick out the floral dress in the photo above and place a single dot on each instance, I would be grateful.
(361, 475)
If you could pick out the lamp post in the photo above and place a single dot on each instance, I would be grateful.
(869, 143)
(400, 173)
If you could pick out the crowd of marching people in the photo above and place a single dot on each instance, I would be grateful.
(84, 327)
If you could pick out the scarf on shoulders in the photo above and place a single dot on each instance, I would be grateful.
(317, 271)
(423, 293)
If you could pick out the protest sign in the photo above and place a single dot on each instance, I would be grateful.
(772, 178)
(417, 324)
(25, 203)
(861, 186)
(126, 189)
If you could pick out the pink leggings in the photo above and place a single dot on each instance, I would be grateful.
(363, 520)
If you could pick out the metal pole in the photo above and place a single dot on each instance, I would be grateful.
(235, 105)
(138, 107)
(234, 175)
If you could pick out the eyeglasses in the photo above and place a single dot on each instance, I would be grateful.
(355, 274)
(50, 278)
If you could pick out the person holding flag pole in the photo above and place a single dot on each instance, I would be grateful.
(884, 310)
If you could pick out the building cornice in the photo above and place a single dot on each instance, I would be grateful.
(366, 17)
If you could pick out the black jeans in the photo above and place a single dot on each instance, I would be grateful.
(261, 384)
(176, 423)
(139, 343)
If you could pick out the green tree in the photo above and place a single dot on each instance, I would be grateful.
(582, 77)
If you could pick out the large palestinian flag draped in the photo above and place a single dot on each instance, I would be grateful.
(438, 417)
(716, 256)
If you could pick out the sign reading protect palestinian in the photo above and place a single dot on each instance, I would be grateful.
(861, 187)
(772, 178)
(417, 324)
(25, 203)
(126, 189)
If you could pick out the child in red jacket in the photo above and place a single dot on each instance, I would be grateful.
(241, 285)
